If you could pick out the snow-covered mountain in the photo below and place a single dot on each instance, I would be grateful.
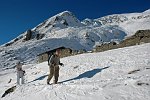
(120, 74)
(64, 29)
(130, 22)
(104, 29)
(57, 22)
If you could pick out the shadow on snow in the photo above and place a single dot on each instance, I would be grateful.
(40, 78)
(87, 74)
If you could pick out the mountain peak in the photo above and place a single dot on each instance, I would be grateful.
(66, 13)
(60, 21)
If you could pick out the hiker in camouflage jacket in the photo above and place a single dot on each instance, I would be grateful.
(54, 63)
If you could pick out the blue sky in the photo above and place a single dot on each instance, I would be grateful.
(16, 16)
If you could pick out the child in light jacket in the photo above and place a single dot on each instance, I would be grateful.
(20, 73)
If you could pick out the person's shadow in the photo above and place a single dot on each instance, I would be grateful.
(40, 78)
(88, 74)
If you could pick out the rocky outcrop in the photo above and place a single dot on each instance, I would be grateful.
(140, 37)
(28, 35)
(39, 36)
(12, 89)
(9, 44)
(64, 53)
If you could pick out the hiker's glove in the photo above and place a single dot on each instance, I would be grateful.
(61, 64)
(24, 72)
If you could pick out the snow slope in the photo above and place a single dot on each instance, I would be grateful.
(120, 74)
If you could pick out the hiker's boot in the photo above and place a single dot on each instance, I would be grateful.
(54, 82)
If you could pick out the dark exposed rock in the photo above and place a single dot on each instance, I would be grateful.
(10, 81)
(28, 35)
(134, 71)
(9, 44)
(57, 18)
(140, 37)
(48, 25)
(143, 33)
(64, 53)
(142, 83)
(65, 23)
(39, 36)
(12, 89)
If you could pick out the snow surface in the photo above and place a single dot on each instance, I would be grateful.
(91, 76)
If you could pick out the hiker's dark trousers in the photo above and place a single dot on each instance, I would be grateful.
(54, 71)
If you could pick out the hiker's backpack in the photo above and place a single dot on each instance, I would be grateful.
(49, 57)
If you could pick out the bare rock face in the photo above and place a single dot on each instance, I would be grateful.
(140, 37)
(143, 33)
(28, 35)
(39, 36)
(12, 89)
